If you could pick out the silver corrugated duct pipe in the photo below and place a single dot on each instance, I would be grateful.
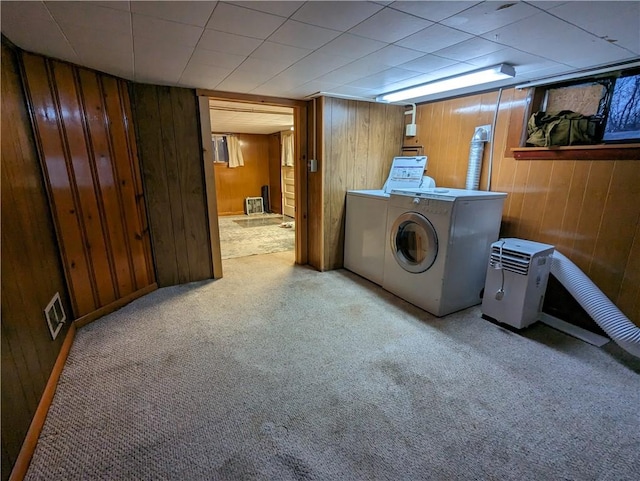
(598, 306)
(480, 136)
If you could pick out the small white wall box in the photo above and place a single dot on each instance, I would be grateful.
(253, 205)
(54, 313)
(516, 281)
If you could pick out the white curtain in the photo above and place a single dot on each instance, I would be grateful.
(235, 153)
(287, 149)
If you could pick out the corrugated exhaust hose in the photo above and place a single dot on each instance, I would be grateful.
(597, 304)
(476, 150)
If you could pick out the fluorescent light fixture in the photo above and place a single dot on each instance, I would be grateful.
(476, 77)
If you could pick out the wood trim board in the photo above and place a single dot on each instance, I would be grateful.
(29, 445)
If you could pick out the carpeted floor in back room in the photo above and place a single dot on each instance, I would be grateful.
(248, 235)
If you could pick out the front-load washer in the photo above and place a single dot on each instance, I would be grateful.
(437, 246)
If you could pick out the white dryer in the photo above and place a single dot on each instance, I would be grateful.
(365, 231)
(437, 246)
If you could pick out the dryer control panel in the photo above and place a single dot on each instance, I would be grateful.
(425, 204)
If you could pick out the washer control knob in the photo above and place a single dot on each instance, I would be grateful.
(416, 200)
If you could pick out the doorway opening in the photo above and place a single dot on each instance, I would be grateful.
(254, 156)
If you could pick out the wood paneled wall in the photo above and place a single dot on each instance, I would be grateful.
(588, 209)
(358, 142)
(234, 185)
(170, 149)
(88, 153)
(31, 269)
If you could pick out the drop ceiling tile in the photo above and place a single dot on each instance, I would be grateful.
(316, 65)
(279, 83)
(279, 52)
(209, 74)
(616, 22)
(318, 86)
(474, 47)
(216, 59)
(243, 21)
(282, 9)
(351, 46)
(403, 84)
(151, 72)
(21, 19)
(546, 72)
(302, 35)
(520, 60)
(427, 63)
(336, 15)
(389, 26)
(90, 42)
(85, 14)
(547, 4)
(239, 82)
(352, 91)
(434, 38)
(191, 13)
(111, 58)
(489, 16)
(263, 69)
(118, 5)
(165, 32)
(393, 55)
(448, 71)
(363, 67)
(273, 90)
(386, 77)
(146, 50)
(228, 42)
(434, 11)
(546, 36)
(343, 75)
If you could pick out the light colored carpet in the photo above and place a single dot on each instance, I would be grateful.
(248, 235)
(279, 372)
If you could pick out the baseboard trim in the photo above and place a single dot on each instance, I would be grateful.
(23, 460)
(115, 305)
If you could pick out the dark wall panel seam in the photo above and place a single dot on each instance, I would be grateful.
(139, 181)
(117, 180)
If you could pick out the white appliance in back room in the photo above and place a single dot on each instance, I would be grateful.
(438, 241)
(366, 217)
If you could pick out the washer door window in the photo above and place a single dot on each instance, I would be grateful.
(414, 242)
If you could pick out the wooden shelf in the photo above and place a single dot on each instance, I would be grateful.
(579, 152)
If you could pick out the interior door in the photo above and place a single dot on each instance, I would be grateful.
(288, 192)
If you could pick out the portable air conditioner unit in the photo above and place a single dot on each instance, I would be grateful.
(516, 281)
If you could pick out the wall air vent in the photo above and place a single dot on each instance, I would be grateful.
(54, 312)
(510, 260)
